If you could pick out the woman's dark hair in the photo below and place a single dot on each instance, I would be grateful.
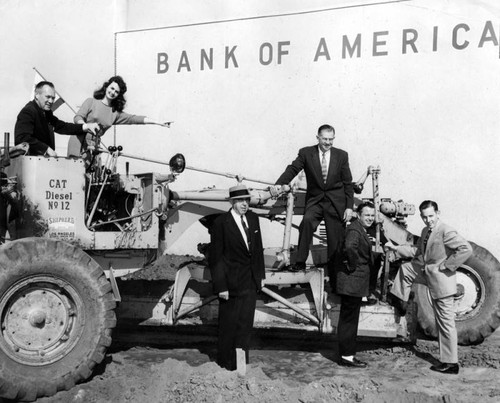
(117, 104)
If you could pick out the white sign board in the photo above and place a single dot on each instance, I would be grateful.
(412, 87)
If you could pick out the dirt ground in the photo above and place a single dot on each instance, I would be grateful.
(158, 364)
(177, 366)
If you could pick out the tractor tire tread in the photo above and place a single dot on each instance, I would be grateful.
(473, 330)
(33, 252)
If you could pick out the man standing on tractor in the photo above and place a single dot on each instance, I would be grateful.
(439, 252)
(36, 123)
(329, 196)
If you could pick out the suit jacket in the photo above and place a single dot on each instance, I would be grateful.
(338, 187)
(446, 250)
(36, 127)
(233, 266)
(354, 278)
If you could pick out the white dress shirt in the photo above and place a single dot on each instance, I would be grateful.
(237, 219)
(327, 157)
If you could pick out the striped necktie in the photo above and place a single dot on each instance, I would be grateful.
(324, 167)
(247, 231)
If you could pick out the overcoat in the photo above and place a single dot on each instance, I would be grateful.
(353, 278)
(233, 266)
(36, 127)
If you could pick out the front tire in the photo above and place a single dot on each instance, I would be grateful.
(56, 313)
(477, 302)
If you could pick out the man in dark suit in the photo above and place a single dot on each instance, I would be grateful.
(36, 123)
(353, 283)
(236, 261)
(329, 195)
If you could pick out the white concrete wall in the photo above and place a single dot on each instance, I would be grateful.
(427, 115)
(429, 119)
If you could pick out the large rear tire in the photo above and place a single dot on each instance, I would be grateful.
(56, 313)
(477, 302)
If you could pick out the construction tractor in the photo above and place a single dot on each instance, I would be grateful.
(73, 233)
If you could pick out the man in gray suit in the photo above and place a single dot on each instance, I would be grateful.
(439, 252)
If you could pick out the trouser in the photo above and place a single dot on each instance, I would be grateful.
(235, 327)
(443, 312)
(445, 323)
(3, 219)
(374, 269)
(404, 279)
(8, 206)
(334, 233)
(78, 146)
(348, 324)
(75, 145)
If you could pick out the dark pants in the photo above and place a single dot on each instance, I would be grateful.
(235, 327)
(334, 233)
(348, 324)
(3, 219)
(374, 269)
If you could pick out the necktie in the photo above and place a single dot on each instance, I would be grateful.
(324, 168)
(247, 231)
(426, 239)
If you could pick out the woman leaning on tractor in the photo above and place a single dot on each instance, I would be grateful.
(106, 108)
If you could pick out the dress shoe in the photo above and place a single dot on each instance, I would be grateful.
(355, 363)
(397, 303)
(371, 299)
(299, 266)
(446, 368)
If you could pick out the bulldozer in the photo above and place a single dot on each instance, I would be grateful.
(73, 236)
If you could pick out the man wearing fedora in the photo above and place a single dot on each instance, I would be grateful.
(236, 263)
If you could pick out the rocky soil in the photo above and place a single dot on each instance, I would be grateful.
(301, 368)
(151, 364)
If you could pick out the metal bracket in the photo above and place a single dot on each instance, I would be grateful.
(385, 278)
(315, 277)
(176, 294)
(114, 285)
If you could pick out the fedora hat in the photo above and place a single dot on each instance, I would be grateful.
(239, 192)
